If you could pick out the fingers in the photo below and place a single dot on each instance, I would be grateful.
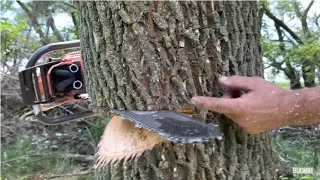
(232, 93)
(220, 105)
(226, 95)
(240, 82)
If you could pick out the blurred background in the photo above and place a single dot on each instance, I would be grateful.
(30, 150)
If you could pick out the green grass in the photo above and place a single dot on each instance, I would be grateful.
(299, 153)
(283, 84)
(23, 159)
(98, 127)
(287, 84)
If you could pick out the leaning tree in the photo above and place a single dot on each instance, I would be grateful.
(157, 55)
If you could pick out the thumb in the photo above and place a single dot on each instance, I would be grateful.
(239, 82)
(220, 105)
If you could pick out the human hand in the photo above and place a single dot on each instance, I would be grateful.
(253, 103)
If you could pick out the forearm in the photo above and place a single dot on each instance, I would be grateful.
(306, 107)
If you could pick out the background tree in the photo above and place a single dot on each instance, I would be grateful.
(290, 41)
(29, 149)
(157, 55)
(292, 46)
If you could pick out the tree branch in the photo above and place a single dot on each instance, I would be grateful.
(275, 64)
(292, 41)
(75, 22)
(69, 5)
(297, 9)
(303, 16)
(305, 13)
(316, 20)
(35, 22)
(70, 175)
(29, 113)
(25, 8)
(288, 70)
(280, 36)
(282, 24)
(9, 76)
(56, 32)
(277, 40)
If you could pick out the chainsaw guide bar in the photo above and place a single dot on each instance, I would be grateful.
(172, 126)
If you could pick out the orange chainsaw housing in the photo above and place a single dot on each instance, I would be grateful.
(67, 60)
(54, 83)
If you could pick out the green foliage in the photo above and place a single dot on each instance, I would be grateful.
(9, 33)
(18, 36)
(307, 52)
(98, 128)
(6, 5)
(308, 177)
(271, 48)
(285, 8)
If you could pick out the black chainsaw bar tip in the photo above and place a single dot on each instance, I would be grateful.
(173, 126)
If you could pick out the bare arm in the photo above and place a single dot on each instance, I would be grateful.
(307, 105)
(257, 105)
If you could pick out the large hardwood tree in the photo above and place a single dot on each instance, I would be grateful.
(157, 55)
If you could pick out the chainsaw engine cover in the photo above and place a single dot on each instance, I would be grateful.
(172, 125)
(43, 83)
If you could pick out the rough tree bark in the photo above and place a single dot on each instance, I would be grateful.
(157, 55)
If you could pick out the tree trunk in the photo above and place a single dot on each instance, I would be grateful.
(157, 55)
(292, 75)
(295, 82)
(308, 74)
(318, 75)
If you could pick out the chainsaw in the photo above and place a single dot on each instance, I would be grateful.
(62, 80)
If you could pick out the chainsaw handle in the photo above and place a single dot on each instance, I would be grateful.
(63, 119)
(49, 48)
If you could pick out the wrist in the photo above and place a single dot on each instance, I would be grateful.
(293, 101)
(302, 107)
